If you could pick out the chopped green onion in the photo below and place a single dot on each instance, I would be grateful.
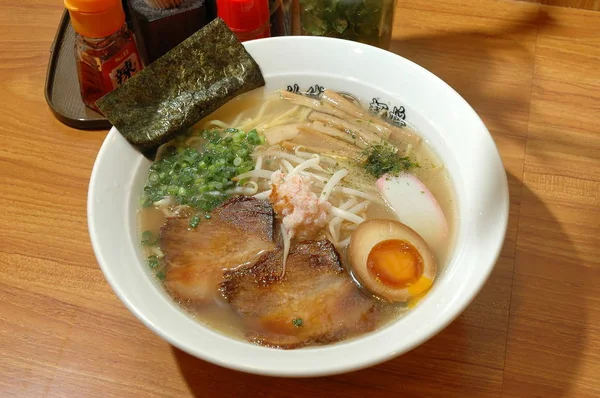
(148, 238)
(153, 261)
(201, 178)
(194, 221)
(297, 322)
(153, 177)
(239, 136)
(253, 137)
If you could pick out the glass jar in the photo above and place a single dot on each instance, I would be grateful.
(365, 21)
(105, 63)
(105, 50)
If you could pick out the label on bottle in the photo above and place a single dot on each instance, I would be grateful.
(121, 67)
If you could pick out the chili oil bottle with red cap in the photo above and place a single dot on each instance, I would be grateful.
(105, 48)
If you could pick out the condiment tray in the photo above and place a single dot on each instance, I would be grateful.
(62, 85)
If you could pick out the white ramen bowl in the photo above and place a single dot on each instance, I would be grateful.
(444, 119)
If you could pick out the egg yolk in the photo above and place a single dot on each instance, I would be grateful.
(395, 263)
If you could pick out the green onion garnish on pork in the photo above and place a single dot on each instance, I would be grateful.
(153, 261)
(194, 221)
(148, 238)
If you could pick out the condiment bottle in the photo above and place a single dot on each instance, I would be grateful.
(247, 19)
(105, 49)
(365, 21)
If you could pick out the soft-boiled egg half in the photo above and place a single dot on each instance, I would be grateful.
(391, 260)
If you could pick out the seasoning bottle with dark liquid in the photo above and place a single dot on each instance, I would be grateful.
(105, 48)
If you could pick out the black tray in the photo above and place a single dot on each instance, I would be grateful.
(62, 85)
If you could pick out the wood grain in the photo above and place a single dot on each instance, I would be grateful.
(532, 74)
(583, 4)
(557, 271)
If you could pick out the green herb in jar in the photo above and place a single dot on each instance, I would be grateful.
(365, 21)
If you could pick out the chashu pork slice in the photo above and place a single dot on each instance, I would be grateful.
(315, 302)
(238, 232)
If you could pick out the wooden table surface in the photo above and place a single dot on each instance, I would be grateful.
(533, 74)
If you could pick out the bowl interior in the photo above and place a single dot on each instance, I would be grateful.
(381, 79)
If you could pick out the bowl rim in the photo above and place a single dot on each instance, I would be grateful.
(327, 366)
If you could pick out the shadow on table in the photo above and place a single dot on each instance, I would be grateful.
(548, 321)
(477, 62)
(416, 374)
(468, 357)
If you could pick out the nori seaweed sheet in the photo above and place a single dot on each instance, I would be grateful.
(192, 80)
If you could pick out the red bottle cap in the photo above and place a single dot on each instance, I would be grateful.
(248, 19)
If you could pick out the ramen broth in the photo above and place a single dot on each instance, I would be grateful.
(217, 313)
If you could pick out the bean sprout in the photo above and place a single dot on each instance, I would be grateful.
(345, 242)
(359, 207)
(287, 165)
(283, 155)
(321, 180)
(253, 173)
(257, 166)
(308, 155)
(356, 192)
(346, 215)
(263, 195)
(333, 181)
(305, 165)
(166, 201)
(250, 188)
(336, 221)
